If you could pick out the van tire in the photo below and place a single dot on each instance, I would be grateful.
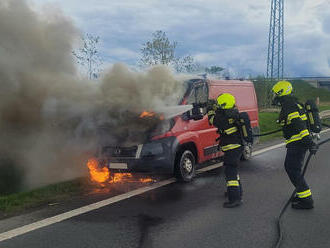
(247, 152)
(185, 166)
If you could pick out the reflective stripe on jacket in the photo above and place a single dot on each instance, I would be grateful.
(226, 121)
(298, 136)
(294, 121)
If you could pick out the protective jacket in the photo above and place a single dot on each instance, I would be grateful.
(294, 122)
(226, 120)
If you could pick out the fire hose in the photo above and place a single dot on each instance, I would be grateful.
(268, 133)
(279, 221)
(279, 130)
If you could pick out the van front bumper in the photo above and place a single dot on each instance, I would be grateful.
(153, 157)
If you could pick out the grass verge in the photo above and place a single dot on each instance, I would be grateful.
(42, 196)
(267, 122)
(301, 89)
(324, 107)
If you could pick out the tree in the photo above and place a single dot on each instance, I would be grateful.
(214, 70)
(88, 56)
(160, 50)
(186, 64)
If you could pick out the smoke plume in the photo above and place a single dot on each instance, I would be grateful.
(50, 119)
(126, 94)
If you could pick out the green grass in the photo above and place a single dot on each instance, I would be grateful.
(301, 89)
(305, 91)
(267, 122)
(41, 196)
(322, 108)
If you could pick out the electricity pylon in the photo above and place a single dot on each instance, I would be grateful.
(275, 59)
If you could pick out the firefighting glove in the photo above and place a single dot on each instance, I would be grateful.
(211, 105)
(313, 148)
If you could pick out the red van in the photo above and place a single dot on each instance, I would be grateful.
(187, 139)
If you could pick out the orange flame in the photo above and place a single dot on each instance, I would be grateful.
(120, 177)
(103, 175)
(146, 180)
(145, 114)
(128, 177)
(99, 175)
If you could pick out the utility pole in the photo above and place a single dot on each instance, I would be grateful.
(275, 58)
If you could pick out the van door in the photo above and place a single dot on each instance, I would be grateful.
(206, 144)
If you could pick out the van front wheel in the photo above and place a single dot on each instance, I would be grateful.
(185, 166)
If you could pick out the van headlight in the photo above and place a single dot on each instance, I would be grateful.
(152, 149)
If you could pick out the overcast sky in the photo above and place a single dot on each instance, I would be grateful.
(231, 34)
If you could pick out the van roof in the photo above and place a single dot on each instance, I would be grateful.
(218, 82)
(228, 82)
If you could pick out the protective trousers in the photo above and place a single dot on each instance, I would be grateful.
(234, 187)
(293, 165)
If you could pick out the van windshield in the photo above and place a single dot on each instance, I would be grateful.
(196, 91)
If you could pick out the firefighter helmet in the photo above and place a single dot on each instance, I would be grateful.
(226, 101)
(282, 88)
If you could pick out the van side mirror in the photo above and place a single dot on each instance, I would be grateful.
(197, 117)
(196, 113)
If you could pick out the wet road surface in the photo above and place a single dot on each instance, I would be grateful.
(191, 215)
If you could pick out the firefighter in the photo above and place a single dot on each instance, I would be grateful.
(225, 117)
(298, 140)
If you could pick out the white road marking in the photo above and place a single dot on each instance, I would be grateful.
(208, 168)
(277, 146)
(267, 149)
(326, 130)
(64, 216)
(82, 210)
(67, 215)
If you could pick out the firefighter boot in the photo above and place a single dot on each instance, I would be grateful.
(234, 198)
(240, 190)
(294, 199)
(303, 203)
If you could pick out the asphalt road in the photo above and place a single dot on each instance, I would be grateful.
(191, 215)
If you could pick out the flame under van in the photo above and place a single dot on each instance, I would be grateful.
(187, 139)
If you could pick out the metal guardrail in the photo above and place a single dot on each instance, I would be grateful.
(325, 114)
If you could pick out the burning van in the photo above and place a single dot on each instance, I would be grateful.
(176, 143)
